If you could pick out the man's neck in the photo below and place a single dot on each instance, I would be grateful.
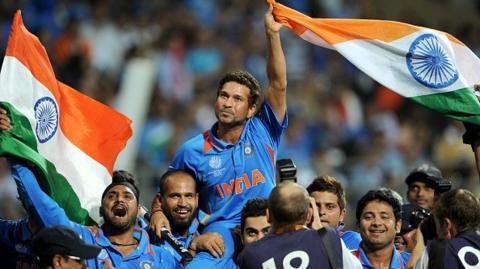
(124, 240)
(287, 228)
(230, 134)
(181, 232)
(379, 258)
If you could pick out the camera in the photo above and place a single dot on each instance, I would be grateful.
(412, 216)
(286, 170)
(440, 185)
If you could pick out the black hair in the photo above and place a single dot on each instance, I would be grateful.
(122, 177)
(329, 184)
(166, 175)
(255, 207)
(384, 195)
(247, 79)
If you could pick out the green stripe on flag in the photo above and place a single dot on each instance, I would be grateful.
(460, 104)
(20, 143)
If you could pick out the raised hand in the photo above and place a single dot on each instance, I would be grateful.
(5, 124)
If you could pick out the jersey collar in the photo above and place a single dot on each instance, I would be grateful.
(221, 145)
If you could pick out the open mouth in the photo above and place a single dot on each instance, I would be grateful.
(377, 232)
(119, 211)
(182, 212)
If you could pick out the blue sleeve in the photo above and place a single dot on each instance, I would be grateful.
(167, 260)
(13, 232)
(39, 205)
(274, 128)
(45, 211)
(204, 259)
(181, 160)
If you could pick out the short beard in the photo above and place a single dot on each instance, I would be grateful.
(120, 228)
(180, 225)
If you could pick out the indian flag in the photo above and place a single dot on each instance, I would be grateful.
(428, 66)
(72, 139)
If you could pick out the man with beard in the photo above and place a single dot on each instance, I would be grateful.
(179, 202)
(123, 244)
(235, 160)
(379, 219)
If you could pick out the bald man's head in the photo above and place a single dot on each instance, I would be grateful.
(288, 204)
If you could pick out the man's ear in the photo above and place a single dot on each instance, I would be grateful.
(269, 216)
(309, 216)
(343, 213)
(251, 111)
(451, 229)
(57, 261)
(100, 211)
(398, 226)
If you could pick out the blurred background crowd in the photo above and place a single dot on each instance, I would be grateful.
(341, 122)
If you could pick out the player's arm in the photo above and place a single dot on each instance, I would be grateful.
(211, 242)
(38, 204)
(472, 134)
(276, 67)
(158, 220)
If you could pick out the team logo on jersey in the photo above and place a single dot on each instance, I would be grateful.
(103, 255)
(248, 150)
(146, 265)
(215, 162)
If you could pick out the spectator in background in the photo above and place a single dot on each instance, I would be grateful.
(331, 204)
(254, 224)
(379, 219)
(59, 247)
(423, 187)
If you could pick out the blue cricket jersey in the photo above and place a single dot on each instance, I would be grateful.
(228, 175)
(185, 240)
(15, 245)
(351, 239)
(144, 256)
(398, 261)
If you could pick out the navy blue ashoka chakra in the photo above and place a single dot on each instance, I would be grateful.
(429, 63)
(46, 116)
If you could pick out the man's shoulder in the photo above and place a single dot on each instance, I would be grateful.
(465, 239)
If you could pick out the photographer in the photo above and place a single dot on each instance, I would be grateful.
(457, 221)
(425, 185)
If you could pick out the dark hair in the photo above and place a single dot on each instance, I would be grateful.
(122, 177)
(383, 195)
(461, 207)
(288, 208)
(244, 78)
(329, 184)
(255, 207)
(169, 173)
